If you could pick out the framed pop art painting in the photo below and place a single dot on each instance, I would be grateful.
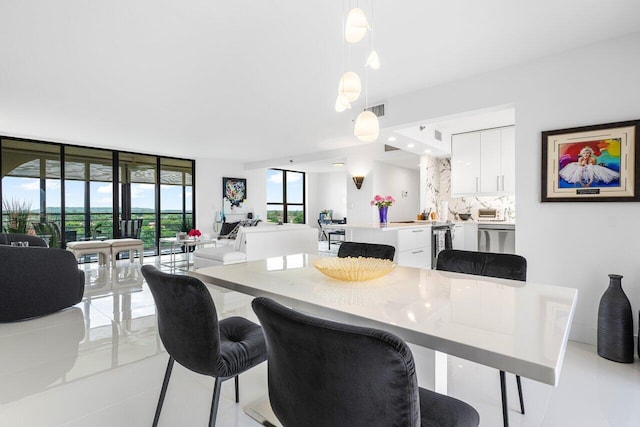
(591, 163)
(234, 190)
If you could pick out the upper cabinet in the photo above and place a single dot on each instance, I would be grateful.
(483, 162)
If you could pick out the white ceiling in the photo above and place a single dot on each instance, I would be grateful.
(253, 80)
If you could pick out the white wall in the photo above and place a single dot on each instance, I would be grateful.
(393, 181)
(568, 244)
(209, 174)
(331, 194)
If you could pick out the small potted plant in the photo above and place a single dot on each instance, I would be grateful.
(95, 230)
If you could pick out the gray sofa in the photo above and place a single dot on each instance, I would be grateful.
(36, 280)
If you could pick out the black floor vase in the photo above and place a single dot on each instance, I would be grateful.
(615, 323)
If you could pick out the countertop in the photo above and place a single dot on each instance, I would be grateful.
(392, 226)
(413, 224)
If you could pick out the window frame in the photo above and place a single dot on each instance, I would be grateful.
(283, 202)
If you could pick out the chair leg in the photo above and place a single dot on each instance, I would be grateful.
(238, 390)
(165, 384)
(503, 392)
(520, 393)
(214, 403)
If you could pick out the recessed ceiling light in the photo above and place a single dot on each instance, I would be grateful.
(427, 151)
(338, 164)
(391, 138)
(410, 145)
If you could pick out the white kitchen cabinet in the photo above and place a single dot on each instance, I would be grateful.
(457, 238)
(470, 236)
(465, 236)
(508, 163)
(413, 244)
(414, 247)
(490, 161)
(465, 163)
(483, 162)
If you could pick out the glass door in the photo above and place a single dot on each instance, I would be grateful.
(138, 199)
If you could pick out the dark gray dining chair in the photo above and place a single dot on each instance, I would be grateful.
(192, 335)
(327, 374)
(130, 228)
(367, 250)
(503, 266)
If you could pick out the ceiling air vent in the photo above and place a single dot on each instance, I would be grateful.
(378, 110)
(437, 135)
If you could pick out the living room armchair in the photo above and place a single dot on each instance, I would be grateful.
(37, 281)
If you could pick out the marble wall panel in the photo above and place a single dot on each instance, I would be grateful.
(438, 190)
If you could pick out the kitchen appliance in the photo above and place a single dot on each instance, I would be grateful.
(496, 237)
(440, 240)
(490, 214)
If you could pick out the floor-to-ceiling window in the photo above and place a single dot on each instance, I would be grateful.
(31, 188)
(285, 196)
(86, 204)
(138, 198)
(176, 196)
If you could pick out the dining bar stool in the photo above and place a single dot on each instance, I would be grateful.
(325, 374)
(192, 335)
(504, 266)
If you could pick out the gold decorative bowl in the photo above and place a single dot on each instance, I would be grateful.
(353, 269)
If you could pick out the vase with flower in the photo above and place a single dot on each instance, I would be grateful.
(382, 203)
(194, 233)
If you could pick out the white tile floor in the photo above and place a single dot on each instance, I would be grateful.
(101, 363)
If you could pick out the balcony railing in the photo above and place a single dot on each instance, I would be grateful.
(101, 225)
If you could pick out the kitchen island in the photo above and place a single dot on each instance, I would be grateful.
(412, 239)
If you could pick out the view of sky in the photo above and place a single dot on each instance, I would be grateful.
(274, 186)
(142, 195)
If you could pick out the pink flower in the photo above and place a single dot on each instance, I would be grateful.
(194, 232)
(381, 201)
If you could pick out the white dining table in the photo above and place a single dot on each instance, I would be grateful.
(513, 326)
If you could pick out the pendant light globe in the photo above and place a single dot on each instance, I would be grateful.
(342, 103)
(356, 26)
(350, 86)
(367, 127)
(373, 61)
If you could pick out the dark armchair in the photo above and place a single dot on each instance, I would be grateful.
(37, 281)
(8, 238)
(325, 374)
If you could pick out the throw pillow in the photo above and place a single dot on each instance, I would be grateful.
(228, 230)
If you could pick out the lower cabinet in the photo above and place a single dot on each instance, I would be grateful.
(465, 236)
(413, 245)
(419, 257)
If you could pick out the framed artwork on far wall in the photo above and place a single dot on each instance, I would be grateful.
(592, 163)
(234, 190)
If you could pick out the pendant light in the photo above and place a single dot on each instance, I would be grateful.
(373, 61)
(342, 103)
(367, 127)
(350, 86)
(356, 27)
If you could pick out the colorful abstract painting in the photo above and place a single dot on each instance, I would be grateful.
(234, 190)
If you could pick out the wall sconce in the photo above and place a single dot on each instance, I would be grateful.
(357, 180)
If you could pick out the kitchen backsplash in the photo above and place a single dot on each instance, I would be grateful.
(438, 173)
